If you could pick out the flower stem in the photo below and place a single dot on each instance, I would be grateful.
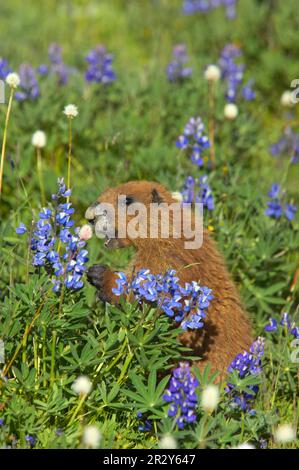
(212, 121)
(40, 175)
(52, 371)
(77, 409)
(69, 166)
(5, 137)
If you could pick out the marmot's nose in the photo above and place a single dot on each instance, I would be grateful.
(90, 213)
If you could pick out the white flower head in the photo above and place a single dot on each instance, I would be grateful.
(177, 196)
(285, 433)
(287, 99)
(230, 111)
(82, 385)
(212, 73)
(13, 80)
(71, 111)
(167, 442)
(92, 436)
(85, 232)
(210, 398)
(39, 139)
(245, 445)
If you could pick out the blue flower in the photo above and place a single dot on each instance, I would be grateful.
(233, 73)
(248, 92)
(56, 67)
(246, 364)
(204, 6)
(29, 89)
(199, 191)
(4, 68)
(287, 145)
(272, 326)
(290, 211)
(186, 303)
(275, 207)
(194, 139)
(274, 192)
(31, 440)
(284, 322)
(176, 70)
(55, 247)
(146, 426)
(181, 395)
(100, 66)
(21, 229)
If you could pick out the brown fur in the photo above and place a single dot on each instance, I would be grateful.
(227, 331)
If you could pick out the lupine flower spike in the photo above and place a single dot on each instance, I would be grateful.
(53, 244)
(185, 304)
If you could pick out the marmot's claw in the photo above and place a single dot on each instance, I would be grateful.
(95, 275)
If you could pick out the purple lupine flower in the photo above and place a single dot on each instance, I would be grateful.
(284, 322)
(29, 89)
(290, 211)
(31, 440)
(56, 67)
(181, 395)
(185, 304)
(177, 70)
(146, 424)
(246, 364)
(21, 229)
(66, 264)
(248, 92)
(203, 6)
(272, 325)
(232, 72)
(4, 68)
(287, 145)
(194, 140)
(198, 191)
(276, 208)
(100, 66)
(42, 69)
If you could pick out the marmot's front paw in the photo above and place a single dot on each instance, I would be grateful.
(98, 276)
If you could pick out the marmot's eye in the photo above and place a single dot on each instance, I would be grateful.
(129, 200)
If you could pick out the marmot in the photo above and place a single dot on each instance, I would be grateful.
(226, 331)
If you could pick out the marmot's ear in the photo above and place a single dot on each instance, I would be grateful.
(156, 197)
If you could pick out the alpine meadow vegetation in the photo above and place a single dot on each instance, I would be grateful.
(197, 96)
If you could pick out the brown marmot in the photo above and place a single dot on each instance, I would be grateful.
(227, 331)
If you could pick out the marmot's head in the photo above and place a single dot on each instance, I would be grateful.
(119, 213)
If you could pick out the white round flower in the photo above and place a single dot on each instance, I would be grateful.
(177, 196)
(82, 385)
(167, 442)
(230, 111)
(71, 111)
(39, 139)
(246, 445)
(92, 436)
(13, 80)
(85, 232)
(287, 99)
(285, 433)
(212, 73)
(210, 398)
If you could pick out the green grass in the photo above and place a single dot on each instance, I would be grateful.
(128, 131)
